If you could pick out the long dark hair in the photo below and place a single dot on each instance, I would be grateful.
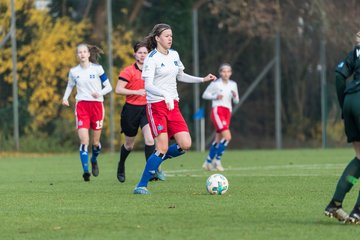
(156, 31)
(94, 51)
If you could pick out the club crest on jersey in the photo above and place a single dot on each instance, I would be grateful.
(92, 76)
(160, 127)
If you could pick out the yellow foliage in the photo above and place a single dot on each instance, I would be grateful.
(45, 54)
(43, 61)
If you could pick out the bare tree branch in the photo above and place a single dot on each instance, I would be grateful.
(135, 12)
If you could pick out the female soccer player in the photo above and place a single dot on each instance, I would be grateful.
(89, 78)
(161, 69)
(222, 92)
(348, 97)
(133, 114)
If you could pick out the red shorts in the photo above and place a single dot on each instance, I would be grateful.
(220, 116)
(162, 120)
(89, 114)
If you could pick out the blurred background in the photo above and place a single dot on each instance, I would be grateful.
(283, 54)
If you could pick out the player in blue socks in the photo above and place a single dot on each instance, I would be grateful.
(84, 158)
(162, 67)
(89, 108)
(153, 164)
(222, 92)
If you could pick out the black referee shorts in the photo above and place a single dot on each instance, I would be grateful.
(351, 113)
(132, 117)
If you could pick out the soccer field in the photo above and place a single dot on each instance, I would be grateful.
(272, 195)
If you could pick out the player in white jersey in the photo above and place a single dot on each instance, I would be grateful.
(222, 92)
(162, 67)
(91, 84)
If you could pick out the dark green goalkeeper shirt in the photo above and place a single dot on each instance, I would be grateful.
(350, 65)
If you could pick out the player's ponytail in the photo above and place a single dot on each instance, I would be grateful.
(95, 52)
(149, 40)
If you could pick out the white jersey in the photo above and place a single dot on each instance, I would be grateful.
(160, 73)
(219, 87)
(87, 81)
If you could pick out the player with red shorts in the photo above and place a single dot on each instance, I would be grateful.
(222, 92)
(133, 114)
(162, 67)
(91, 84)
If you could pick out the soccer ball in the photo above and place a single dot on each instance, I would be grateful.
(217, 184)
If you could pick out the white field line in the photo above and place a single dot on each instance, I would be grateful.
(239, 171)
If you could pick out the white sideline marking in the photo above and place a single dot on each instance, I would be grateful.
(235, 171)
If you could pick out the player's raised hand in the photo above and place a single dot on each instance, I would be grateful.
(209, 77)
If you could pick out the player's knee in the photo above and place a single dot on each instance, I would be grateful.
(129, 146)
(162, 150)
(185, 145)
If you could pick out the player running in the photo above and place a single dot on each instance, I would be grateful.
(133, 114)
(223, 91)
(161, 69)
(89, 78)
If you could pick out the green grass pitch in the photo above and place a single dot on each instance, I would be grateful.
(272, 195)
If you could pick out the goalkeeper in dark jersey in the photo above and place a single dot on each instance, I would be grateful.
(349, 100)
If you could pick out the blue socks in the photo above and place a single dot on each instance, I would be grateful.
(212, 152)
(151, 167)
(154, 162)
(221, 148)
(173, 151)
(84, 157)
(95, 152)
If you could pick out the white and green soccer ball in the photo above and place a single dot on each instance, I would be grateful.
(217, 184)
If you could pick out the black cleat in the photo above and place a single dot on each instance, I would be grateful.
(121, 172)
(121, 177)
(86, 176)
(337, 212)
(95, 169)
(354, 217)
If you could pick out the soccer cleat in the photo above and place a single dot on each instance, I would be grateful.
(141, 190)
(218, 166)
(121, 172)
(207, 166)
(160, 175)
(337, 212)
(354, 217)
(86, 176)
(121, 177)
(95, 169)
